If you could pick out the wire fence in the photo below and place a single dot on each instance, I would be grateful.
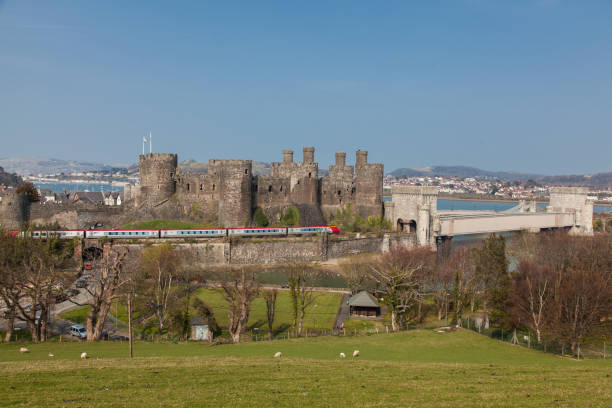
(593, 349)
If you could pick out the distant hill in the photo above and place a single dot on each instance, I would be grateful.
(462, 171)
(26, 166)
(9, 179)
(594, 180)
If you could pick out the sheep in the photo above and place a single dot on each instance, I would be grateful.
(342, 355)
(24, 350)
(278, 354)
(83, 356)
(51, 355)
(356, 353)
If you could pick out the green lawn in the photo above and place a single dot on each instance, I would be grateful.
(416, 368)
(321, 315)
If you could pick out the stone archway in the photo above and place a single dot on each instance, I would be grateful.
(92, 254)
(412, 226)
(406, 226)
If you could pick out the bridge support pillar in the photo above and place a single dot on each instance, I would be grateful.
(413, 209)
(573, 200)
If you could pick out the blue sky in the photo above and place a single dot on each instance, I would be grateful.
(522, 85)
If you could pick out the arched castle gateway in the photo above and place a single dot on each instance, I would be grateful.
(228, 193)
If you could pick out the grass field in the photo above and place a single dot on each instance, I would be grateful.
(321, 316)
(417, 368)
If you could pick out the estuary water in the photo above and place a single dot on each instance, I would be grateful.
(59, 187)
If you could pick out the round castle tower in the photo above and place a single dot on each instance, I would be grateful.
(13, 211)
(157, 176)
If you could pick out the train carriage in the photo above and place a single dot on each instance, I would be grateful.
(61, 234)
(246, 232)
(134, 234)
(193, 233)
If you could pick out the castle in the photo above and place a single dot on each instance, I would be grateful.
(229, 193)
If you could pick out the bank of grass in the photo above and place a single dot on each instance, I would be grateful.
(321, 315)
(166, 224)
(417, 368)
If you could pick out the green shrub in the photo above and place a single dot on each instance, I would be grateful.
(290, 218)
(259, 218)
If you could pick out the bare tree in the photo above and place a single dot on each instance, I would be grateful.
(42, 266)
(531, 291)
(398, 274)
(301, 277)
(270, 298)
(111, 275)
(162, 267)
(239, 288)
(11, 292)
(463, 281)
(355, 272)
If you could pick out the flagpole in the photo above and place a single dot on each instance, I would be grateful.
(150, 142)
(143, 144)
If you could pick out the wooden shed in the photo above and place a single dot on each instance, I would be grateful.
(199, 330)
(363, 304)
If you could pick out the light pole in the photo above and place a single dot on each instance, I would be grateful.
(446, 303)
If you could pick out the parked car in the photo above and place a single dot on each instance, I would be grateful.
(117, 337)
(88, 266)
(72, 292)
(78, 330)
(59, 297)
(81, 283)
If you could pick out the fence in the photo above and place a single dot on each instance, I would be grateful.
(593, 349)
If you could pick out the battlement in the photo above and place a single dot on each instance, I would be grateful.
(165, 157)
(415, 190)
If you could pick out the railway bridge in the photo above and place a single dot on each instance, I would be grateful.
(414, 209)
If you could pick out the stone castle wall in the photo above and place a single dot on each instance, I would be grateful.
(228, 193)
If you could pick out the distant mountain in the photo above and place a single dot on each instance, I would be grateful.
(594, 180)
(8, 179)
(462, 171)
(26, 166)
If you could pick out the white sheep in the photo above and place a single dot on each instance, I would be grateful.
(83, 356)
(278, 354)
(342, 355)
(356, 353)
(24, 350)
(51, 355)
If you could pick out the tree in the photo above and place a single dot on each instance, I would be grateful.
(270, 298)
(161, 265)
(301, 277)
(259, 218)
(290, 217)
(463, 281)
(399, 276)
(354, 271)
(492, 273)
(41, 268)
(29, 190)
(532, 289)
(239, 288)
(11, 292)
(112, 274)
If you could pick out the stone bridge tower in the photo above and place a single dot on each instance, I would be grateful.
(574, 200)
(413, 209)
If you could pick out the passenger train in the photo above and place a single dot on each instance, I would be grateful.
(183, 233)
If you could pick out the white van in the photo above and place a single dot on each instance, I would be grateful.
(78, 330)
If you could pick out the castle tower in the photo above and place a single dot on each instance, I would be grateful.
(235, 198)
(157, 176)
(573, 199)
(368, 186)
(14, 211)
(308, 154)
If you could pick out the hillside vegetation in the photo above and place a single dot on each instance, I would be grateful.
(417, 368)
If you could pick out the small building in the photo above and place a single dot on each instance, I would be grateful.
(363, 304)
(199, 330)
